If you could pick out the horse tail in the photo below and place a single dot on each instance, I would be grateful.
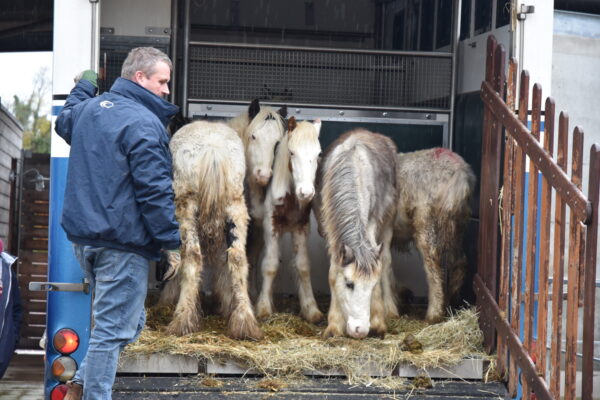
(212, 183)
(455, 194)
(202, 173)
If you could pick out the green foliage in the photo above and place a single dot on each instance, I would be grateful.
(30, 113)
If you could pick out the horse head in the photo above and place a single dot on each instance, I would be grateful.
(264, 131)
(304, 150)
(354, 283)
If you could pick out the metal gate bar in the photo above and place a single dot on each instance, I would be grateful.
(302, 75)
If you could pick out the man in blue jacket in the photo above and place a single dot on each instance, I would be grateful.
(119, 204)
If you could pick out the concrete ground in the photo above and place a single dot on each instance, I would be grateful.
(24, 378)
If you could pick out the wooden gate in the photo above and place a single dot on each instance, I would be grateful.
(33, 246)
(504, 251)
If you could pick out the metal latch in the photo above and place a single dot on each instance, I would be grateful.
(525, 9)
(59, 287)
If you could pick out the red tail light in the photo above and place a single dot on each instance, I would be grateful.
(66, 341)
(59, 392)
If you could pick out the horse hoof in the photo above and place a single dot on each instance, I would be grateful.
(434, 319)
(331, 332)
(314, 317)
(178, 329)
(262, 313)
(377, 333)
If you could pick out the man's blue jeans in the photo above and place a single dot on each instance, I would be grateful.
(119, 282)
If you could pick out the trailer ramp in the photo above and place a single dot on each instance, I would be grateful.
(234, 388)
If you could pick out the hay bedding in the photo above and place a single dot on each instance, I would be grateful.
(293, 346)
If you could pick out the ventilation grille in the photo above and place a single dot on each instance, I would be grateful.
(319, 77)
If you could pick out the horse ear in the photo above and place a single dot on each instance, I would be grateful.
(291, 124)
(317, 125)
(283, 111)
(347, 255)
(177, 122)
(254, 109)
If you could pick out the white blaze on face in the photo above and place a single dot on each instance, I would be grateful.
(261, 147)
(304, 158)
(354, 294)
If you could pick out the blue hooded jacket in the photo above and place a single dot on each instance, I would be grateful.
(119, 182)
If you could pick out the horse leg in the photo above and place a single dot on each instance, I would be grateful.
(242, 322)
(378, 327)
(457, 269)
(335, 318)
(170, 292)
(255, 245)
(186, 318)
(269, 267)
(388, 280)
(427, 243)
(223, 288)
(308, 304)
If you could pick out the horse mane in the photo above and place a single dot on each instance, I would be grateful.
(343, 208)
(265, 114)
(239, 123)
(282, 176)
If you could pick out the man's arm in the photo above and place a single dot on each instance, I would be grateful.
(151, 169)
(85, 88)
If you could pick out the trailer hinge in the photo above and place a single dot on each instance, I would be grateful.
(524, 10)
(59, 287)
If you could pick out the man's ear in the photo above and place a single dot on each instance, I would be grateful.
(138, 77)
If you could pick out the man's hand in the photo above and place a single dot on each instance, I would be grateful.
(88, 75)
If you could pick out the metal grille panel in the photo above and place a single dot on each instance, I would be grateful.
(319, 77)
(114, 50)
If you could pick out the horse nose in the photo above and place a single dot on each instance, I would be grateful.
(357, 330)
(306, 193)
(263, 176)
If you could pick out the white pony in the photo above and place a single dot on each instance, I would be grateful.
(355, 204)
(287, 209)
(208, 180)
(261, 130)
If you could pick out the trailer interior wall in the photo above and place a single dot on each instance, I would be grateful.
(11, 133)
(576, 88)
(400, 25)
(136, 17)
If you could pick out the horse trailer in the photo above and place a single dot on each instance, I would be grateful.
(426, 73)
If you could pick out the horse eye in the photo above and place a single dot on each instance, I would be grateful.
(291, 154)
(350, 285)
(253, 137)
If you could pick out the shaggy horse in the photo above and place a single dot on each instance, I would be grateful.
(208, 180)
(287, 209)
(357, 201)
(434, 188)
(261, 129)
